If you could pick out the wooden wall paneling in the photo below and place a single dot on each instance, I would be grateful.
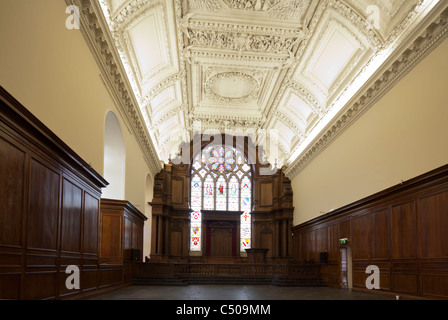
(178, 192)
(43, 212)
(40, 285)
(111, 249)
(333, 241)
(127, 237)
(47, 223)
(344, 229)
(122, 225)
(380, 231)
(71, 217)
(311, 243)
(435, 283)
(12, 169)
(432, 217)
(402, 230)
(266, 193)
(360, 238)
(89, 279)
(10, 285)
(405, 282)
(264, 237)
(90, 225)
(110, 276)
(13, 195)
(176, 239)
(321, 241)
(433, 225)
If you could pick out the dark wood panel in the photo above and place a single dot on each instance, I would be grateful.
(344, 229)
(40, 285)
(310, 245)
(380, 235)
(404, 235)
(178, 191)
(137, 238)
(405, 282)
(127, 233)
(89, 279)
(71, 217)
(8, 259)
(433, 226)
(333, 237)
(111, 238)
(435, 284)
(41, 260)
(266, 194)
(266, 239)
(111, 276)
(360, 237)
(359, 278)
(91, 217)
(175, 244)
(43, 213)
(10, 284)
(322, 240)
(11, 193)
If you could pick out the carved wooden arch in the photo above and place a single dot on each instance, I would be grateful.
(206, 140)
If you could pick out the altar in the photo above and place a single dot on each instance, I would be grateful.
(222, 233)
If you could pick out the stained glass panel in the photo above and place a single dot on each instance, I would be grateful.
(245, 194)
(221, 193)
(196, 216)
(195, 244)
(245, 243)
(196, 165)
(195, 230)
(222, 181)
(233, 194)
(209, 191)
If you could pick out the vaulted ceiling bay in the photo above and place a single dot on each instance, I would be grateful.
(292, 68)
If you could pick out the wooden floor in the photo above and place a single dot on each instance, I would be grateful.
(235, 292)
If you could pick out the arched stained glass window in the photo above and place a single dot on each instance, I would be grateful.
(221, 180)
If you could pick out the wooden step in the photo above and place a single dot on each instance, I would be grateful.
(225, 280)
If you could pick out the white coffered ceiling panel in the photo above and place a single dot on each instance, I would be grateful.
(390, 12)
(284, 65)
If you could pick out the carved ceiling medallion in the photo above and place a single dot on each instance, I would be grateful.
(232, 87)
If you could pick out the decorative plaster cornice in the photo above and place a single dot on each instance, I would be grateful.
(411, 54)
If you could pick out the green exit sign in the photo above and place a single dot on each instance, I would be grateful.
(343, 241)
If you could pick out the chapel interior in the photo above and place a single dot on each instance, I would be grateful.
(291, 143)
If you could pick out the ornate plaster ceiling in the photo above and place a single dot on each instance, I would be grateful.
(285, 66)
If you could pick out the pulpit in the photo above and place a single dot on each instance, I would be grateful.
(222, 233)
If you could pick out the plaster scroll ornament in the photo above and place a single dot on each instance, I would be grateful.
(187, 54)
(243, 42)
(252, 5)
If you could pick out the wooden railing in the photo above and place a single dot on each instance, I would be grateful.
(302, 271)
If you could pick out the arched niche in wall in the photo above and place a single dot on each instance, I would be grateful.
(114, 158)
